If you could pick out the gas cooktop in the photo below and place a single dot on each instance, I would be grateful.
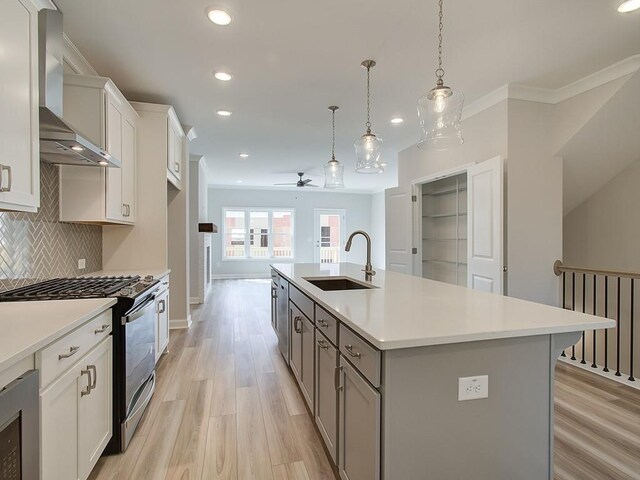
(80, 287)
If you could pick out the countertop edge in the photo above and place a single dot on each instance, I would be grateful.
(446, 340)
(43, 342)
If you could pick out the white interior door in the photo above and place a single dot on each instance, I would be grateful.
(329, 235)
(485, 226)
(398, 229)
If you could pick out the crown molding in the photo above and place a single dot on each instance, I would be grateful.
(75, 59)
(48, 4)
(551, 96)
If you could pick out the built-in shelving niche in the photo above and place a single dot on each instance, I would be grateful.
(444, 230)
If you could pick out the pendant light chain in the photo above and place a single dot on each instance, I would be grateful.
(333, 143)
(368, 100)
(440, 70)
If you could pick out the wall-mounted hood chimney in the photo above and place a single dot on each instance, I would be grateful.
(60, 143)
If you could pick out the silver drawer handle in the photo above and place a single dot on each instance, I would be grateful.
(95, 375)
(323, 323)
(336, 378)
(86, 391)
(322, 344)
(103, 328)
(297, 324)
(163, 308)
(5, 168)
(72, 351)
(349, 349)
(177, 167)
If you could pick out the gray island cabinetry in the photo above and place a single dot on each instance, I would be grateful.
(407, 378)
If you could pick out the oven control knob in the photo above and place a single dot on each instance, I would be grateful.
(127, 291)
(148, 278)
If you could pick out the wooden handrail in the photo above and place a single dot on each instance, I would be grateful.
(559, 268)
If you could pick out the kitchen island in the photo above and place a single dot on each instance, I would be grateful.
(409, 378)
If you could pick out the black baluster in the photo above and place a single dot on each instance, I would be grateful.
(595, 294)
(584, 310)
(564, 297)
(618, 325)
(573, 307)
(606, 331)
(631, 379)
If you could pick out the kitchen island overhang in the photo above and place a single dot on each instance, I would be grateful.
(429, 335)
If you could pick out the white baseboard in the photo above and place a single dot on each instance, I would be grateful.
(195, 301)
(228, 276)
(180, 323)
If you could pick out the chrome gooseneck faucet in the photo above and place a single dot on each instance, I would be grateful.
(368, 268)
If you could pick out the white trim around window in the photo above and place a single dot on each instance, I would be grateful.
(246, 247)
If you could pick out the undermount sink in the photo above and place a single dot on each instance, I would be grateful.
(338, 283)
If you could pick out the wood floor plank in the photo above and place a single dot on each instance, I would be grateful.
(188, 455)
(154, 458)
(290, 471)
(118, 467)
(205, 365)
(245, 370)
(221, 460)
(278, 423)
(261, 358)
(179, 386)
(223, 401)
(292, 396)
(253, 449)
(311, 450)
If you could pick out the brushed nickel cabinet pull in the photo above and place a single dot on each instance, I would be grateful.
(336, 378)
(164, 306)
(72, 351)
(322, 344)
(297, 324)
(177, 167)
(323, 323)
(95, 375)
(5, 168)
(103, 328)
(86, 391)
(349, 349)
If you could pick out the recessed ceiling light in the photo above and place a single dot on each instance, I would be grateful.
(219, 17)
(77, 148)
(397, 120)
(629, 6)
(223, 76)
(243, 155)
(238, 181)
(224, 113)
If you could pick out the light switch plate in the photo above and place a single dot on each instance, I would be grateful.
(82, 264)
(472, 388)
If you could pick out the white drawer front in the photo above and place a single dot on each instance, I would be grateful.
(54, 359)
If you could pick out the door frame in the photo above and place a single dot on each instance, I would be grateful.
(316, 230)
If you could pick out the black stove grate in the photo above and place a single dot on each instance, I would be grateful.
(69, 288)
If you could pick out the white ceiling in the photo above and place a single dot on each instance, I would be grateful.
(291, 59)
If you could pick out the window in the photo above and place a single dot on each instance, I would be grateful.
(257, 233)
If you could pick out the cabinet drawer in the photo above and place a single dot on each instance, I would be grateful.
(362, 355)
(304, 303)
(327, 324)
(64, 352)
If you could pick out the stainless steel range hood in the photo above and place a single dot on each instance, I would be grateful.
(60, 143)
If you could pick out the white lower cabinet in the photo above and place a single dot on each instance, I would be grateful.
(359, 426)
(76, 416)
(162, 326)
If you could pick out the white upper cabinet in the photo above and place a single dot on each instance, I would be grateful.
(96, 108)
(175, 151)
(19, 124)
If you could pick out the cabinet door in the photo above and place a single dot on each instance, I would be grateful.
(129, 170)
(59, 426)
(359, 426)
(94, 408)
(326, 395)
(177, 162)
(19, 134)
(308, 361)
(113, 135)
(162, 329)
(296, 341)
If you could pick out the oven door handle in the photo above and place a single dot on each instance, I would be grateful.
(138, 312)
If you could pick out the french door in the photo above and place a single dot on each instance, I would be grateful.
(329, 235)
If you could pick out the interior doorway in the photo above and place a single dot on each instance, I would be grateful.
(329, 235)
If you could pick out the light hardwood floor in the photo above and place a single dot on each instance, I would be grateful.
(226, 407)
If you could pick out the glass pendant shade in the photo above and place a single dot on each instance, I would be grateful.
(440, 114)
(333, 174)
(368, 153)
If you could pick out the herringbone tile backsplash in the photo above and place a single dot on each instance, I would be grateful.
(37, 246)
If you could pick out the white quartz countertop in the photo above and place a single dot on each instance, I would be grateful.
(154, 272)
(406, 311)
(26, 327)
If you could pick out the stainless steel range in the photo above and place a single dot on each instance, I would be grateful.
(134, 321)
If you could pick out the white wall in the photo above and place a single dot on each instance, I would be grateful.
(198, 206)
(603, 231)
(377, 232)
(358, 207)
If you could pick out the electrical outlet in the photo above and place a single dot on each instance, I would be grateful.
(82, 264)
(471, 388)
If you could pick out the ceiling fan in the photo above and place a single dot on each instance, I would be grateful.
(300, 182)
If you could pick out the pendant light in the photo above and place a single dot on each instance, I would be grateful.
(440, 109)
(368, 146)
(333, 170)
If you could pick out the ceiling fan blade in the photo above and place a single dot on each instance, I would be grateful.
(311, 185)
(308, 180)
(287, 184)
